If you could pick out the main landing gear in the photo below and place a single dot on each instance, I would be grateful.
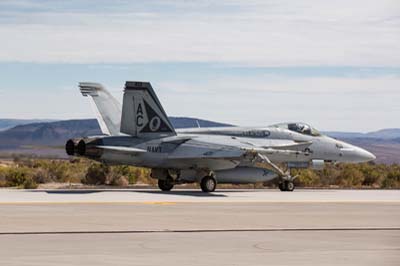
(286, 185)
(208, 184)
(166, 184)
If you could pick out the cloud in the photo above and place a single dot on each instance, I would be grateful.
(329, 103)
(261, 33)
(278, 83)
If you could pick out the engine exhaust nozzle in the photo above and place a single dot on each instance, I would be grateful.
(86, 147)
(71, 146)
(81, 148)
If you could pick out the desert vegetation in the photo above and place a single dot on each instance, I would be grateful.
(26, 172)
(367, 175)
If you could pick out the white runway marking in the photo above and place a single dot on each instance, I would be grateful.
(199, 231)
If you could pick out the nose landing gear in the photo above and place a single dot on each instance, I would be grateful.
(286, 180)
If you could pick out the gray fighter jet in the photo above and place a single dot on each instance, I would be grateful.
(145, 137)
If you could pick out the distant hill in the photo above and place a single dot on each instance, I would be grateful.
(56, 133)
(47, 133)
(390, 133)
(10, 123)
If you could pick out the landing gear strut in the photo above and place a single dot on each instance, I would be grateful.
(286, 185)
(166, 184)
(208, 184)
(286, 180)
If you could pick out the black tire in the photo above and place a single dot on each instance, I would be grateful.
(281, 186)
(208, 184)
(289, 186)
(166, 184)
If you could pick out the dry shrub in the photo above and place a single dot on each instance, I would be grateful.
(29, 184)
(20, 177)
(96, 174)
(120, 181)
(41, 176)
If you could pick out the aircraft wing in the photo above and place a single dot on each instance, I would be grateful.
(279, 144)
(290, 145)
(122, 149)
(196, 150)
(223, 147)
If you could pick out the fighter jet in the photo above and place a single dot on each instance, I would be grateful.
(146, 138)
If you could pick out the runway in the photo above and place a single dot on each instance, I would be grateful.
(187, 227)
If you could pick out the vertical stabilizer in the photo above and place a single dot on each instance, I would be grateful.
(142, 113)
(107, 108)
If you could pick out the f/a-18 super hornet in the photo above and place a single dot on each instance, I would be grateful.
(145, 137)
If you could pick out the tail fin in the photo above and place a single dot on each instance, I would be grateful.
(142, 113)
(107, 108)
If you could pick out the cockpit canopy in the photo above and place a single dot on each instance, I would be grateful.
(301, 128)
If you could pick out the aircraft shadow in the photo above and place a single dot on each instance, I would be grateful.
(192, 193)
(185, 193)
(70, 191)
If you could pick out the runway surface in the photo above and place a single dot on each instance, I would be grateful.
(187, 227)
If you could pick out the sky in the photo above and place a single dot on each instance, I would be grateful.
(333, 64)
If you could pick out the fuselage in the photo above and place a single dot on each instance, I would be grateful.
(322, 148)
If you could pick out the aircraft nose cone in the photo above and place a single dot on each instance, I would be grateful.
(365, 156)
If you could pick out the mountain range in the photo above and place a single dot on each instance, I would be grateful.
(10, 123)
(56, 133)
(389, 133)
(46, 138)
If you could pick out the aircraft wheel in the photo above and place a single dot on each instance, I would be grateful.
(286, 186)
(208, 184)
(166, 184)
(289, 186)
